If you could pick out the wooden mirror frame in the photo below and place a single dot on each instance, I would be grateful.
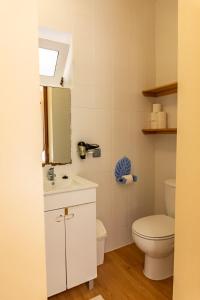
(45, 132)
(45, 127)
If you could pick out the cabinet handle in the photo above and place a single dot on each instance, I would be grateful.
(68, 217)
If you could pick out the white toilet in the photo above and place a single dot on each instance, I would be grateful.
(154, 235)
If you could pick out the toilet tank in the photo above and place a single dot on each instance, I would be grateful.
(170, 192)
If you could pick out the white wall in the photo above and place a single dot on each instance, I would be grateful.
(166, 72)
(114, 59)
(187, 242)
(22, 271)
(166, 41)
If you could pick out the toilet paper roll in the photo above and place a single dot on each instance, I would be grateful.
(154, 116)
(162, 115)
(153, 120)
(127, 179)
(162, 120)
(153, 124)
(157, 107)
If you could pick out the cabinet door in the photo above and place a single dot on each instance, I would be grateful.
(55, 251)
(80, 222)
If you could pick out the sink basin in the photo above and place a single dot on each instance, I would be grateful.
(74, 183)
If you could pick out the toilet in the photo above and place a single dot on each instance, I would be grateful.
(154, 235)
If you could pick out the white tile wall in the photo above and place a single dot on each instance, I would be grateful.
(166, 71)
(114, 59)
(165, 154)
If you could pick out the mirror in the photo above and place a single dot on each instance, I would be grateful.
(56, 112)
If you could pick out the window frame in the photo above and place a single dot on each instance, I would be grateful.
(63, 50)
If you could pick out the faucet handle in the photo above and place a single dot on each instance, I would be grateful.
(50, 174)
(51, 170)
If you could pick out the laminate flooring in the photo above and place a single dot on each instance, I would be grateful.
(121, 278)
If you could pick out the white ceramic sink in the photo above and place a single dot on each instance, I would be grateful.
(74, 183)
(68, 192)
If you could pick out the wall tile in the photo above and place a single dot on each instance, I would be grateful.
(113, 61)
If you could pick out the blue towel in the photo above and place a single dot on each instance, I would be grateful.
(123, 168)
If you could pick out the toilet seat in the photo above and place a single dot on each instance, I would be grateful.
(157, 227)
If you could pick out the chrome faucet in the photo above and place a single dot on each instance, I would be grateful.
(51, 175)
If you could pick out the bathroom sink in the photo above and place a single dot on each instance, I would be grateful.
(68, 192)
(60, 185)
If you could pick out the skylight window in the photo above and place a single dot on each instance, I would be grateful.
(48, 61)
(52, 61)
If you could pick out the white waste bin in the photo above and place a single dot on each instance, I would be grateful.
(101, 239)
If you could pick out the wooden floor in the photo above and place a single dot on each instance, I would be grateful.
(120, 278)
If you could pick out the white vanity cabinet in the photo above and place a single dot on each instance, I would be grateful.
(70, 233)
(80, 245)
(55, 251)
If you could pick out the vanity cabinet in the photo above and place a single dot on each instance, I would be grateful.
(55, 251)
(70, 234)
(80, 224)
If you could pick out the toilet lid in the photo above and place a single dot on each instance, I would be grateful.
(158, 226)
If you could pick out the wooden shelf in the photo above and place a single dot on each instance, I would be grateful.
(162, 90)
(160, 131)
